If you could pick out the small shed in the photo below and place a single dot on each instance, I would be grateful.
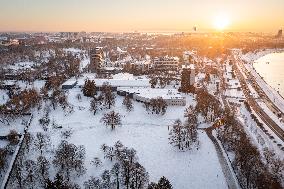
(69, 84)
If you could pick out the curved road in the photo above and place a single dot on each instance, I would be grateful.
(229, 175)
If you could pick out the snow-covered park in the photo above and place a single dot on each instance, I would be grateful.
(146, 133)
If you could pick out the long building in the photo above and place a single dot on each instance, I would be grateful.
(119, 81)
(171, 96)
(166, 63)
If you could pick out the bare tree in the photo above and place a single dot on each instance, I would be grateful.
(96, 162)
(58, 97)
(139, 177)
(116, 172)
(43, 166)
(28, 140)
(111, 119)
(106, 179)
(127, 102)
(3, 161)
(108, 96)
(96, 104)
(93, 183)
(69, 159)
(44, 121)
(29, 173)
(158, 106)
(41, 142)
(17, 173)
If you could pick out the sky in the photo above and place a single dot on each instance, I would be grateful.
(140, 15)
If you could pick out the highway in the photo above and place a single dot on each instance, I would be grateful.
(260, 91)
(255, 106)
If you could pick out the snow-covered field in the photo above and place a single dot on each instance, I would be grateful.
(147, 133)
(17, 124)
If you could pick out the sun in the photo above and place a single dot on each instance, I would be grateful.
(221, 22)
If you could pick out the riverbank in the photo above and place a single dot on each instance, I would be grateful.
(271, 92)
(250, 57)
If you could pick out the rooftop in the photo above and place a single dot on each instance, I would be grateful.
(151, 93)
(119, 80)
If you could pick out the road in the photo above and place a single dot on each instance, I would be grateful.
(260, 91)
(255, 106)
(231, 180)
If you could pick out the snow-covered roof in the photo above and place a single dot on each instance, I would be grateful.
(190, 66)
(69, 82)
(151, 93)
(119, 80)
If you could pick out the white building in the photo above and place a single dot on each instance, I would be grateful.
(119, 80)
(171, 96)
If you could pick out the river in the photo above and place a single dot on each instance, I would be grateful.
(271, 68)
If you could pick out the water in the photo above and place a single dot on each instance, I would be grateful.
(271, 68)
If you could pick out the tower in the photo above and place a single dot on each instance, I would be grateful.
(96, 60)
(187, 79)
(279, 34)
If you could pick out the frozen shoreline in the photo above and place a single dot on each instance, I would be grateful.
(271, 92)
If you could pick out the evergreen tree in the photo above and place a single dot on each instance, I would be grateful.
(164, 183)
(89, 88)
(58, 183)
(177, 134)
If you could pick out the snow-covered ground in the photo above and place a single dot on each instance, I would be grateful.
(17, 124)
(147, 133)
(258, 137)
(84, 63)
(3, 97)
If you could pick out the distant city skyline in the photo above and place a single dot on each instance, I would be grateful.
(141, 15)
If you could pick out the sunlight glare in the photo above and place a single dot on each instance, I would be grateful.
(221, 22)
